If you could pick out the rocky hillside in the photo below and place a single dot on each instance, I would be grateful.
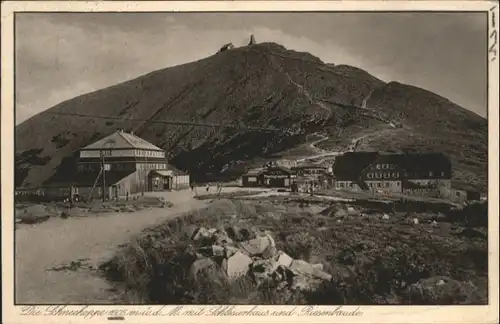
(262, 85)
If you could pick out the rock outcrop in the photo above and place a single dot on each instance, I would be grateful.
(238, 252)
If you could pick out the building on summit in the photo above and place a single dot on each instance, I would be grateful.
(122, 164)
(426, 174)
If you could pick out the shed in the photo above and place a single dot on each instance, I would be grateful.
(168, 179)
(253, 178)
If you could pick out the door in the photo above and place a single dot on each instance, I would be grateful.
(166, 183)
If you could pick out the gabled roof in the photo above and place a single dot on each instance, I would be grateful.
(280, 168)
(348, 167)
(122, 140)
(254, 172)
(414, 162)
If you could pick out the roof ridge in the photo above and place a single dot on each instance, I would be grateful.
(125, 138)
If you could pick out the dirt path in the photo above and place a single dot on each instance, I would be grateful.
(58, 241)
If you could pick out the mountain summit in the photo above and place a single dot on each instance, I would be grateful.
(249, 102)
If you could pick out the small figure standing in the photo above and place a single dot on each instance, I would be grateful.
(208, 187)
(192, 186)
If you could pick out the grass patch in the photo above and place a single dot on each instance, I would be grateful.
(372, 261)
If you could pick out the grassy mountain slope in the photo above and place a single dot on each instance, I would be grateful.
(263, 85)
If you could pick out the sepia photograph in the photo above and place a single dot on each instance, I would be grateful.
(251, 158)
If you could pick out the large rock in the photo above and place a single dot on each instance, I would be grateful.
(201, 234)
(237, 265)
(301, 267)
(258, 245)
(240, 234)
(220, 237)
(442, 290)
(284, 259)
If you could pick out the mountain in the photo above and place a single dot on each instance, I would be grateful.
(289, 95)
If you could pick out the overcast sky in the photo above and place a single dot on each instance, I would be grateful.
(61, 55)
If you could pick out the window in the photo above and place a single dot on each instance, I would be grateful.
(442, 174)
(350, 185)
(371, 185)
(378, 185)
(341, 185)
(378, 166)
(458, 194)
(387, 184)
(398, 183)
(430, 174)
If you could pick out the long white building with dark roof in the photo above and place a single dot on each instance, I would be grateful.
(131, 165)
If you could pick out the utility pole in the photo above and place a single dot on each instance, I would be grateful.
(103, 166)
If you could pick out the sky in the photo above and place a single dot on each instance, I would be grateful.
(62, 55)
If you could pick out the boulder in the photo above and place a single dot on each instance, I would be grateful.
(258, 245)
(229, 251)
(220, 237)
(240, 234)
(237, 265)
(352, 212)
(442, 290)
(284, 259)
(270, 252)
(301, 267)
(201, 234)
